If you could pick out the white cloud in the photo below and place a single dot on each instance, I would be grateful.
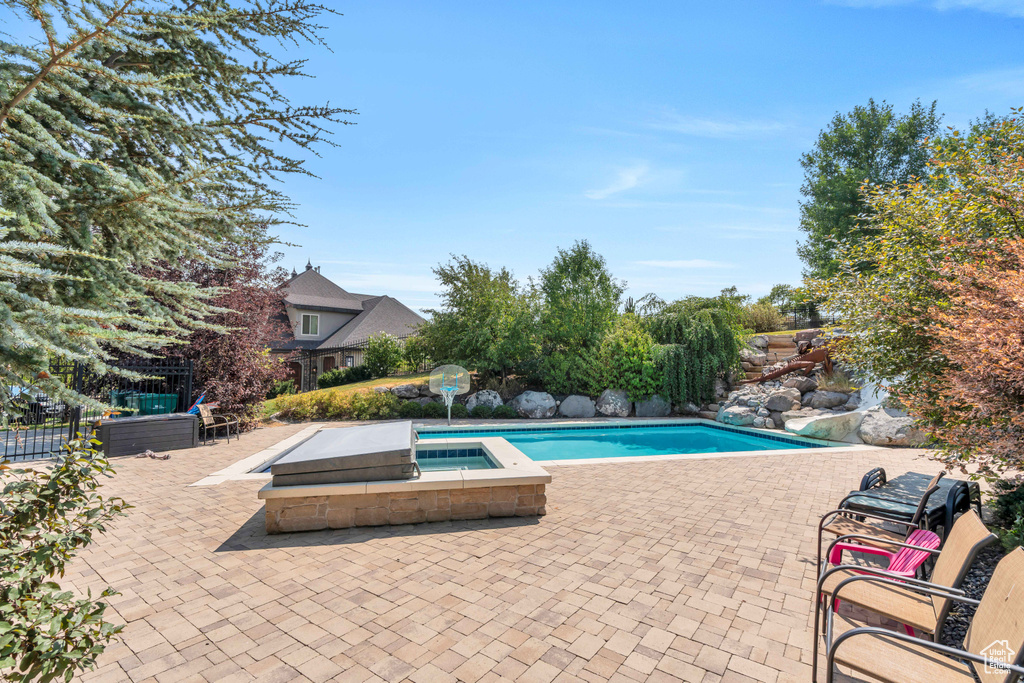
(685, 263)
(626, 179)
(1013, 8)
(715, 128)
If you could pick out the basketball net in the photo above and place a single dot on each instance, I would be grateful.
(448, 394)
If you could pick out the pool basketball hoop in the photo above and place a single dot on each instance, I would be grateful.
(449, 381)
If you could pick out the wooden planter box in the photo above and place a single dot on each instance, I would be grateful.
(131, 435)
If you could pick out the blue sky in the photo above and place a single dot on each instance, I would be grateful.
(666, 133)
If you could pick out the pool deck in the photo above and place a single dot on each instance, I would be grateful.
(655, 570)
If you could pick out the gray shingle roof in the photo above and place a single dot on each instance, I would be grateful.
(380, 314)
(310, 289)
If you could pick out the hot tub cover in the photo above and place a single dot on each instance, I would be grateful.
(377, 452)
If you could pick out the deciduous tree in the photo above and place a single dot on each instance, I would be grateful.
(871, 145)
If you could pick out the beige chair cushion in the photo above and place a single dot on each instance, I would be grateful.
(843, 526)
(889, 601)
(1001, 614)
(891, 661)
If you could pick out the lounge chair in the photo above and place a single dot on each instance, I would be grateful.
(993, 648)
(923, 612)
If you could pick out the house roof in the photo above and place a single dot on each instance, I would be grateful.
(380, 314)
(309, 290)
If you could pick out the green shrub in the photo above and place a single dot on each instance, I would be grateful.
(504, 412)
(333, 378)
(482, 412)
(1008, 510)
(410, 410)
(285, 387)
(625, 359)
(48, 515)
(460, 411)
(333, 405)
(561, 372)
(434, 410)
(761, 317)
(383, 354)
(340, 376)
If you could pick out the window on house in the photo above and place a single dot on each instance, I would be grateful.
(349, 361)
(310, 325)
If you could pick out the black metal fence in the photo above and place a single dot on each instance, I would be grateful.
(805, 317)
(315, 362)
(166, 387)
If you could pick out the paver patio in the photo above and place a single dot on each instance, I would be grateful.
(693, 570)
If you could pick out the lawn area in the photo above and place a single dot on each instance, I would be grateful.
(270, 406)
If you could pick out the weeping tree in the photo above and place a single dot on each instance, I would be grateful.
(135, 133)
(695, 347)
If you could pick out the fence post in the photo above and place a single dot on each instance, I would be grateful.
(75, 414)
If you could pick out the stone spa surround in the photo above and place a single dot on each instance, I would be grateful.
(516, 487)
(403, 507)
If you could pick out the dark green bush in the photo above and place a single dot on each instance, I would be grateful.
(563, 372)
(482, 412)
(1008, 510)
(285, 387)
(333, 378)
(505, 413)
(410, 410)
(340, 376)
(460, 411)
(434, 409)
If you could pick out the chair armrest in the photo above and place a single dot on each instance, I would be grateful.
(865, 572)
(880, 540)
(858, 548)
(904, 638)
(927, 589)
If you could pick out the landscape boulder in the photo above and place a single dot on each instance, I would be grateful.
(737, 415)
(788, 415)
(614, 403)
(487, 397)
(708, 414)
(829, 399)
(829, 426)
(783, 399)
(885, 427)
(690, 408)
(425, 390)
(534, 404)
(806, 335)
(577, 406)
(753, 357)
(759, 341)
(406, 391)
(655, 406)
(801, 384)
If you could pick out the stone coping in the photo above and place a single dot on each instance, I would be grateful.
(514, 469)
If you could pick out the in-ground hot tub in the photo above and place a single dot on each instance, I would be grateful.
(400, 481)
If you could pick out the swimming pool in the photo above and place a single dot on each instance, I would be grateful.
(616, 441)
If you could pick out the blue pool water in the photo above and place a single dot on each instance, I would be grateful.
(440, 460)
(575, 443)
